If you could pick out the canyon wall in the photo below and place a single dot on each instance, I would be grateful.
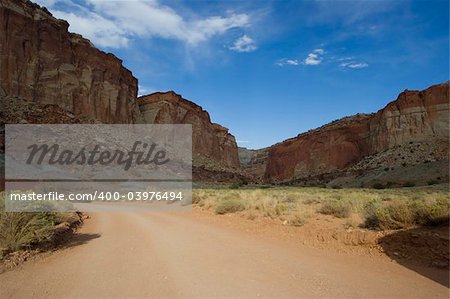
(416, 116)
(213, 147)
(40, 61)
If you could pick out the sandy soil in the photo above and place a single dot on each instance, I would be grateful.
(199, 255)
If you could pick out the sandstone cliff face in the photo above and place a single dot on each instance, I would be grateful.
(41, 61)
(213, 146)
(253, 162)
(416, 116)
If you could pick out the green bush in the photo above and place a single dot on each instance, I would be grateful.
(234, 186)
(401, 214)
(394, 216)
(229, 206)
(431, 214)
(378, 186)
(22, 229)
(409, 184)
(337, 208)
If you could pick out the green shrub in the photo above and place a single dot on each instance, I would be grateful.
(370, 213)
(22, 229)
(399, 214)
(431, 214)
(378, 186)
(229, 206)
(337, 208)
(336, 187)
(395, 215)
(235, 185)
(409, 184)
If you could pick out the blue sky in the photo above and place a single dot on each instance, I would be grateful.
(269, 70)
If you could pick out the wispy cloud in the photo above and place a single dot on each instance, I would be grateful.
(313, 59)
(319, 51)
(113, 23)
(285, 61)
(144, 90)
(354, 65)
(244, 44)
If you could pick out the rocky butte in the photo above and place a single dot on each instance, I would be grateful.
(213, 147)
(41, 61)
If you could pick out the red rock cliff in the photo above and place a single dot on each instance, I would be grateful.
(41, 61)
(213, 146)
(414, 116)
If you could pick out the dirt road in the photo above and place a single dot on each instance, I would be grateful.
(178, 255)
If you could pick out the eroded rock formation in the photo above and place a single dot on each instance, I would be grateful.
(213, 147)
(41, 61)
(416, 116)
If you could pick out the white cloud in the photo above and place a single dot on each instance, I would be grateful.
(145, 90)
(313, 59)
(46, 3)
(345, 58)
(354, 65)
(244, 44)
(358, 65)
(113, 23)
(319, 51)
(285, 61)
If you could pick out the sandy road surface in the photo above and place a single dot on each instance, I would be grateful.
(178, 255)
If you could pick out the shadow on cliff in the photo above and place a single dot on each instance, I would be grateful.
(423, 250)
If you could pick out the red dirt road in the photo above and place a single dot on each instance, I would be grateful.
(172, 255)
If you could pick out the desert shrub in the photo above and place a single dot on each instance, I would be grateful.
(370, 213)
(431, 213)
(312, 200)
(378, 186)
(353, 221)
(229, 206)
(298, 219)
(389, 184)
(395, 215)
(196, 199)
(336, 187)
(399, 214)
(290, 198)
(337, 208)
(271, 207)
(409, 184)
(22, 229)
(265, 186)
(235, 185)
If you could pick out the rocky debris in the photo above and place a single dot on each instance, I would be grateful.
(43, 63)
(213, 146)
(20, 111)
(416, 117)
